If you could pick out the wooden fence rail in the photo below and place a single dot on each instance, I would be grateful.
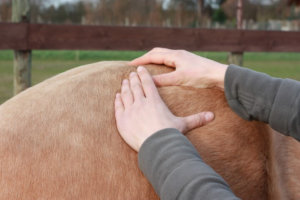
(26, 36)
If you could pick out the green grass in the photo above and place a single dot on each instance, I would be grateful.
(49, 63)
(76, 55)
(128, 55)
(281, 69)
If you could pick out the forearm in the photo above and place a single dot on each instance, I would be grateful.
(176, 171)
(257, 96)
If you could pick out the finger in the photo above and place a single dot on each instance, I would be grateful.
(119, 107)
(167, 79)
(139, 61)
(166, 58)
(161, 49)
(126, 94)
(197, 120)
(148, 85)
(136, 87)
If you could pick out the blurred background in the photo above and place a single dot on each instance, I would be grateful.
(257, 14)
(280, 15)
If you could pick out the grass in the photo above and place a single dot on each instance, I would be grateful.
(49, 63)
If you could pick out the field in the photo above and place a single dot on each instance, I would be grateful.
(49, 63)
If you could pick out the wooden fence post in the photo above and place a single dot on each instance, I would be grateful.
(237, 57)
(22, 58)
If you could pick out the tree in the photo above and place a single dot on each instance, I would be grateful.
(5, 11)
(249, 10)
(294, 2)
(185, 12)
(200, 10)
(219, 16)
(255, 10)
(64, 13)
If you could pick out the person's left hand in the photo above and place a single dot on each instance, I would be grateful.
(140, 111)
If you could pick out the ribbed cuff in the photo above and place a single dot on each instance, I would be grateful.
(285, 113)
(250, 94)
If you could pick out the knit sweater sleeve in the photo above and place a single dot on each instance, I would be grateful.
(257, 96)
(176, 170)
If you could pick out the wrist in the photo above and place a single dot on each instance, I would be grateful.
(219, 76)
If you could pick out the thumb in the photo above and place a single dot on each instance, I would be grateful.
(197, 120)
(166, 79)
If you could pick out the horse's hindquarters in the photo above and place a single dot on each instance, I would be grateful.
(59, 139)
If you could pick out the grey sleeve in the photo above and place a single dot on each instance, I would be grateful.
(176, 170)
(257, 96)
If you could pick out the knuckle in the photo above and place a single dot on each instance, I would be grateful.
(138, 104)
(125, 90)
(156, 49)
(183, 51)
(151, 53)
(134, 82)
(199, 120)
(179, 52)
(145, 79)
(135, 86)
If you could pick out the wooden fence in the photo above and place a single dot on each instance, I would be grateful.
(25, 36)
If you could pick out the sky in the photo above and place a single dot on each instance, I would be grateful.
(58, 2)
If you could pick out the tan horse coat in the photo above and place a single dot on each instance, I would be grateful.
(58, 140)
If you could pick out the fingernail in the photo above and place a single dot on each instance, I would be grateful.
(140, 68)
(209, 116)
(124, 81)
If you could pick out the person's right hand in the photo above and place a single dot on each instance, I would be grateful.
(191, 70)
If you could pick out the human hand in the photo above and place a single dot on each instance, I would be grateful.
(191, 70)
(140, 111)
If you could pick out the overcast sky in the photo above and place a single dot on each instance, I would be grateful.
(57, 2)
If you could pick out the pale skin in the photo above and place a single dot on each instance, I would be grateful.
(140, 111)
